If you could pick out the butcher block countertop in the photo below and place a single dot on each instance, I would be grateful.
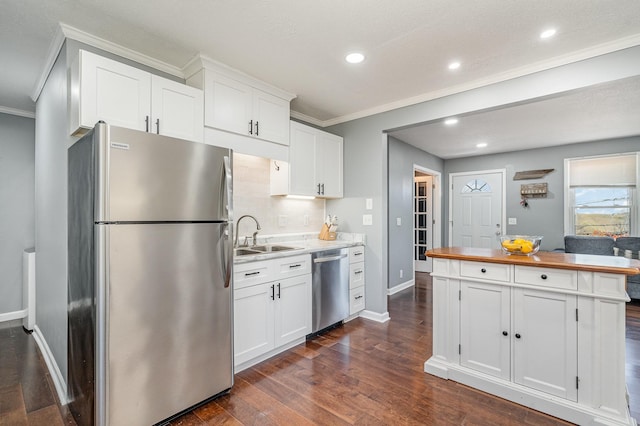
(577, 262)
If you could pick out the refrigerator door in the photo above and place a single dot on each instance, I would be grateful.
(169, 305)
(144, 177)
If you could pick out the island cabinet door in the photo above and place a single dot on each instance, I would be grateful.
(545, 342)
(484, 328)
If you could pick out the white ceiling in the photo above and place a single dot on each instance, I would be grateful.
(299, 46)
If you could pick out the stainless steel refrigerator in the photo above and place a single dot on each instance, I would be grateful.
(150, 267)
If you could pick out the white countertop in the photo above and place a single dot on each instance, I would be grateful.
(303, 243)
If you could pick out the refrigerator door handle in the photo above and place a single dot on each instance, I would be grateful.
(227, 258)
(227, 182)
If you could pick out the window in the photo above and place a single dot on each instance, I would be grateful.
(476, 185)
(602, 195)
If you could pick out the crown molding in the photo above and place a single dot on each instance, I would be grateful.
(18, 112)
(201, 61)
(65, 31)
(306, 118)
(580, 55)
(54, 48)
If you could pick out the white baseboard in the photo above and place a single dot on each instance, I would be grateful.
(56, 375)
(400, 287)
(10, 316)
(375, 316)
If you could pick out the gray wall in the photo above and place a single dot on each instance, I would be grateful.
(365, 149)
(544, 216)
(52, 140)
(17, 140)
(402, 158)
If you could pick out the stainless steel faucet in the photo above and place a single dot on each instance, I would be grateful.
(255, 234)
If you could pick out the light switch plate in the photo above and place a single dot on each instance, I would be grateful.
(399, 221)
(367, 219)
(513, 221)
(369, 203)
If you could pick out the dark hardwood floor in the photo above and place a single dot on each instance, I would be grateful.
(361, 373)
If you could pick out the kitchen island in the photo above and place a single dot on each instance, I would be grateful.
(546, 331)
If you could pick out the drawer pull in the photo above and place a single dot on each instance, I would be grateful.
(248, 274)
(483, 270)
(543, 276)
(295, 266)
(358, 272)
(358, 297)
(358, 253)
(504, 333)
(518, 335)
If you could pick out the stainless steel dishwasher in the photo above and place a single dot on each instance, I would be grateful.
(330, 287)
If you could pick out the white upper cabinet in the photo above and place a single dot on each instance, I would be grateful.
(239, 108)
(240, 105)
(315, 165)
(121, 95)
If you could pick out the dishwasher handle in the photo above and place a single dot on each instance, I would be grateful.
(329, 258)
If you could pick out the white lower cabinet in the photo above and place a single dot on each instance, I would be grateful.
(270, 315)
(541, 345)
(356, 280)
(548, 338)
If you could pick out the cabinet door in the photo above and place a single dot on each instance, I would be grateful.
(329, 164)
(545, 342)
(271, 117)
(293, 309)
(484, 328)
(228, 104)
(116, 93)
(253, 322)
(302, 163)
(177, 110)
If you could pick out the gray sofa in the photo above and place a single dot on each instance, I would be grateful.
(607, 246)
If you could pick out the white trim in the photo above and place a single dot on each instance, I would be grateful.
(580, 55)
(201, 61)
(374, 316)
(398, 288)
(10, 316)
(307, 119)
(253, 361)
(68, 32)
(54, 371)
(503, 215)
(18, 112)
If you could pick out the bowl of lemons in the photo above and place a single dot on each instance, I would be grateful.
(526, 245)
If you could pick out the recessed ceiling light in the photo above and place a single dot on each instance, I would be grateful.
(481, 145)
(451, 121)
(454, 65)
(548, 33)
(354, 58)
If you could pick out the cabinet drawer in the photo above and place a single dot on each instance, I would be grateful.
(487, 271)
(356, 254)
(547, 277)
(356, 275)
(251, 273)
(356, 302)
(292, 266)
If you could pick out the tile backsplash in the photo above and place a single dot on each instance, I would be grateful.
(277, 214)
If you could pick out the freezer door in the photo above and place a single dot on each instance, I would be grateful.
(169, 328)
(144, 177)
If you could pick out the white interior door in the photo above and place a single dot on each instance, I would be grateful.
(477, 208)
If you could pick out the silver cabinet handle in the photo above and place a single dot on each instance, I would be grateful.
(158, 126)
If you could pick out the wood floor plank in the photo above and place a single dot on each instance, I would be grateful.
(47, 416)
(12, 409)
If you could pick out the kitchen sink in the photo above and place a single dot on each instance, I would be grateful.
(253, 250)
(272, 248)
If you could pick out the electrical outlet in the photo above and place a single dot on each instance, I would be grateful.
(367, 219)
(513, 221)
(398, 221)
